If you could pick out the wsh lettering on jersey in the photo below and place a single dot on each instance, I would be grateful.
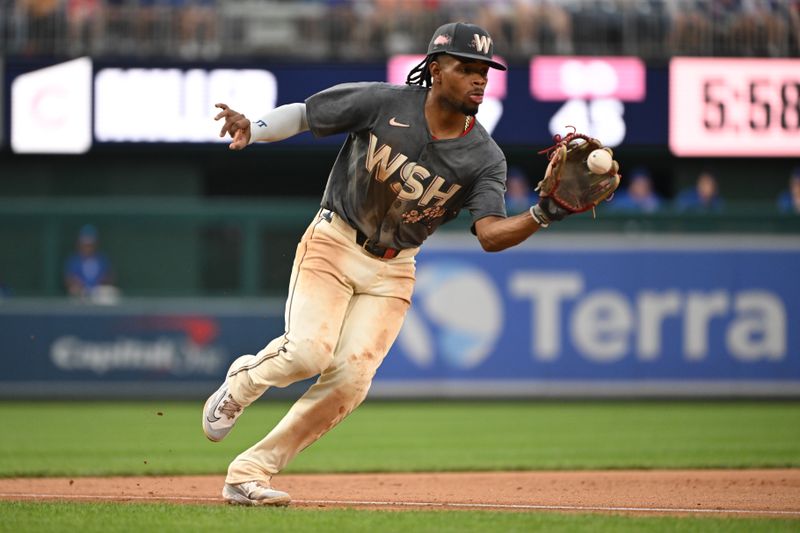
(416, 182)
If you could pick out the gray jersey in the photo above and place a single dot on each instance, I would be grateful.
(392, 180)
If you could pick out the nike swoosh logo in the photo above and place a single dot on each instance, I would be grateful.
(212, 417)
(393, 122)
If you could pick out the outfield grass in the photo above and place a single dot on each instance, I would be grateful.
(73, 439)
(142, 518)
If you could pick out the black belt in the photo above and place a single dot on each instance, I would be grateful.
(364, 241)
(374, 249)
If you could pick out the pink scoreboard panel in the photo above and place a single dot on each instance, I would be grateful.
(734, 107)
(556, 78)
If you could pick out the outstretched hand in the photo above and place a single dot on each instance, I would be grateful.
(236, 125)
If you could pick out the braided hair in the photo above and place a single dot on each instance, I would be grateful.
(421, 74)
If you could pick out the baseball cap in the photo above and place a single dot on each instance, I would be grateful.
(88, 234)
(465, 40)
(640, 173)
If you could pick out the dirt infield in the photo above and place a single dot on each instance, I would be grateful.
(730, 492)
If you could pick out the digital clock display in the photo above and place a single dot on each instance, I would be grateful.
(734, 107)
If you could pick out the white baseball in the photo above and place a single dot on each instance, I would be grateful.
(599, 161)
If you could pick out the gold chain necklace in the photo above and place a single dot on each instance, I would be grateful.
(466, 123)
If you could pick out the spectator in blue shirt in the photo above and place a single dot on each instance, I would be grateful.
(87, 270)
(703, 197)
(519, 194)
(789, 200)
(639, 196)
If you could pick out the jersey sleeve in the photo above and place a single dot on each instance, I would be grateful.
(343, 108)
(487, 197)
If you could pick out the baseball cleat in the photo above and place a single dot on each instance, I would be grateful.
(254, 493)
(220, 413)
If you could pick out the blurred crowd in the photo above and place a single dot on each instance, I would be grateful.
(638, 194)
(365, 29)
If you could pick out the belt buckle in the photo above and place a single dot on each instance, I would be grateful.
(368, 243)
(365, 244)
(387, 253)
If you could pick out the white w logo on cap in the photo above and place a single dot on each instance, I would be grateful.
(482, 43)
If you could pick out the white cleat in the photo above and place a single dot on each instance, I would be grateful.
(254, 493)
(220, 413)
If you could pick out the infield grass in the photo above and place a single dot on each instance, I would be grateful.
(96, 438)
(143, 518)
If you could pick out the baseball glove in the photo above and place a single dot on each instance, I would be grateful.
(569, 184)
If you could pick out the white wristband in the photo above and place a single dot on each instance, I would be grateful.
(539, 219)
(280, 123)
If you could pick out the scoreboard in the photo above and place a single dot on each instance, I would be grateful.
(734, 107)
(699, 107)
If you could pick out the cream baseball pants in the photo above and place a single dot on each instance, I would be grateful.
(344, 311)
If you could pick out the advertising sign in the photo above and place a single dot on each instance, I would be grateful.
(697, 316)
(51, 109)
(77, 103)
(127, 350)
(175, 105)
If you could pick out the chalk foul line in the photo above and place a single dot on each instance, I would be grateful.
(443, 505)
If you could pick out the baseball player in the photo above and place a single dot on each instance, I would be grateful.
(414, 157)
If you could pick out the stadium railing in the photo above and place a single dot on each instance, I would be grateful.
(169, 247)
